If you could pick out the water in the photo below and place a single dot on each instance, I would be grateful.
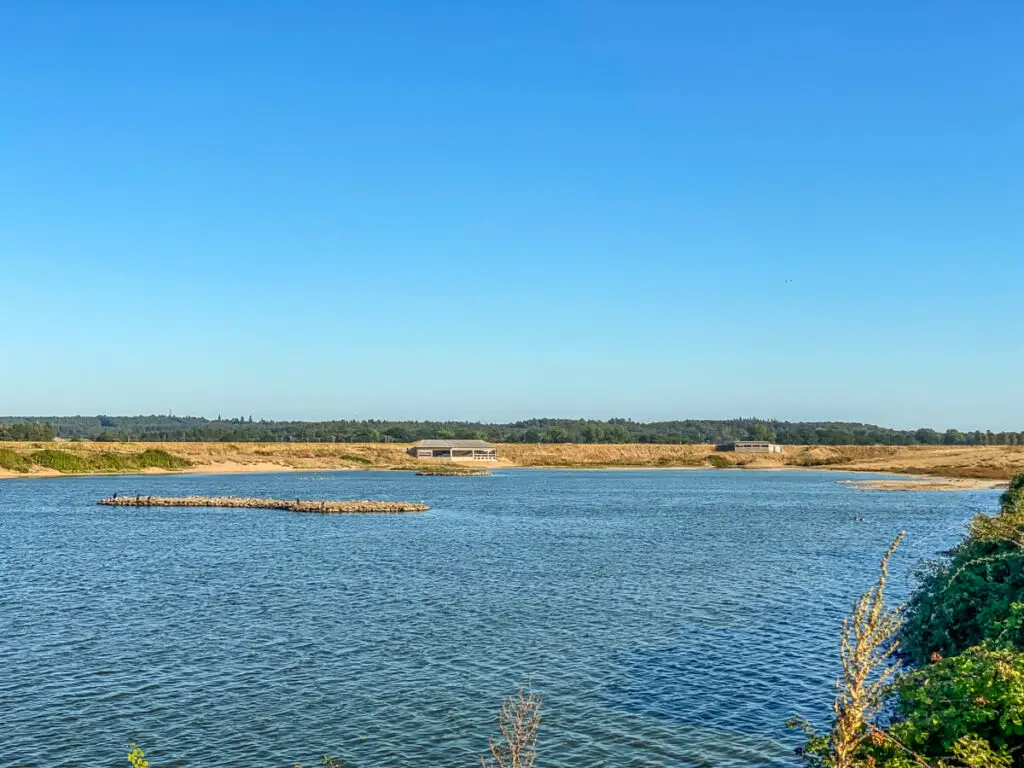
(667, 617)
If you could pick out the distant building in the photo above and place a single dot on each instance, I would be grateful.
(751, 446)
(454, 450)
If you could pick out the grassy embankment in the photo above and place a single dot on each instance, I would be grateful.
(81, 463)
(985, 462)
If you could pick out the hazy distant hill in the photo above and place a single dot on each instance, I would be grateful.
(188, 428)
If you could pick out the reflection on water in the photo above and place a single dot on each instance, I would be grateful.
(667, 618)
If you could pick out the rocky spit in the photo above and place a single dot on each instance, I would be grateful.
(291, 505)
(447, 471)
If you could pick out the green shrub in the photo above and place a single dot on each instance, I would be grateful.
(962, 602)
(1013, 499)
(354, 459)
(971, 702)
(133, 462)
(157, 458)
(62, 461)
(110, 462)
(107, 461)
(719, 462)
(821, 461)
(13, 461)
(968, 598)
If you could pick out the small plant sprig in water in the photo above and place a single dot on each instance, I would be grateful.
(137, 757)
(518, 722)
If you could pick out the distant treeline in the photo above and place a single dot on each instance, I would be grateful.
(189, 428)
(26, 430)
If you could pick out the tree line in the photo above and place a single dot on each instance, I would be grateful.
(245, 429)
(28, 430)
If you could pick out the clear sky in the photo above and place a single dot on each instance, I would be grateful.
(495, 210)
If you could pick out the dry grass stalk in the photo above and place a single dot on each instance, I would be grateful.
(868, 647)
(518, 722)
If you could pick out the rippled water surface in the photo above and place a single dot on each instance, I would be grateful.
(667, 617)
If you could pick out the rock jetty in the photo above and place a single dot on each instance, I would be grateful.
(450, 471)
(291, 505)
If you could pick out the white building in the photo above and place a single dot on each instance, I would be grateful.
(756, 446)
(454, 450)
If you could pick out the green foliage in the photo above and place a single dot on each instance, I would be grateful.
(188, 428)
(718, 462)
(969, 598)
(71, 463)
(817, 750)
(28, 431)
(351, 457)
(159, 459)
(821, 461)
(13, 461)
(969, 706)
(62, 461)
(964, 705)
(1013, 499)
(974, 752)
(137, 757)
(110, 462)
(134, 462)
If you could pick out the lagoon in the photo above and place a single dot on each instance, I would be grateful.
(666, 617)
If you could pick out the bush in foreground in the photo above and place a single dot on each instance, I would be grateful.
(970, 597)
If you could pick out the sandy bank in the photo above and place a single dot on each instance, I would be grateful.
(980, 463)
(216, 468)
(925, 484)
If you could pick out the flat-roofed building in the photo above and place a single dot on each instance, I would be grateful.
(454, 450)
(754, 446)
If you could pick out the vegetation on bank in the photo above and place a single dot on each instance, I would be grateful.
(988, 463)
(689, 431)
(13, 461)
(69, 463)
(961, 704)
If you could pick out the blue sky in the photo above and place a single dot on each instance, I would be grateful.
(500, 210)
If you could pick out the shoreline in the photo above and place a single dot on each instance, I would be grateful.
(970, 466)
(906, 481)
(228, 468)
